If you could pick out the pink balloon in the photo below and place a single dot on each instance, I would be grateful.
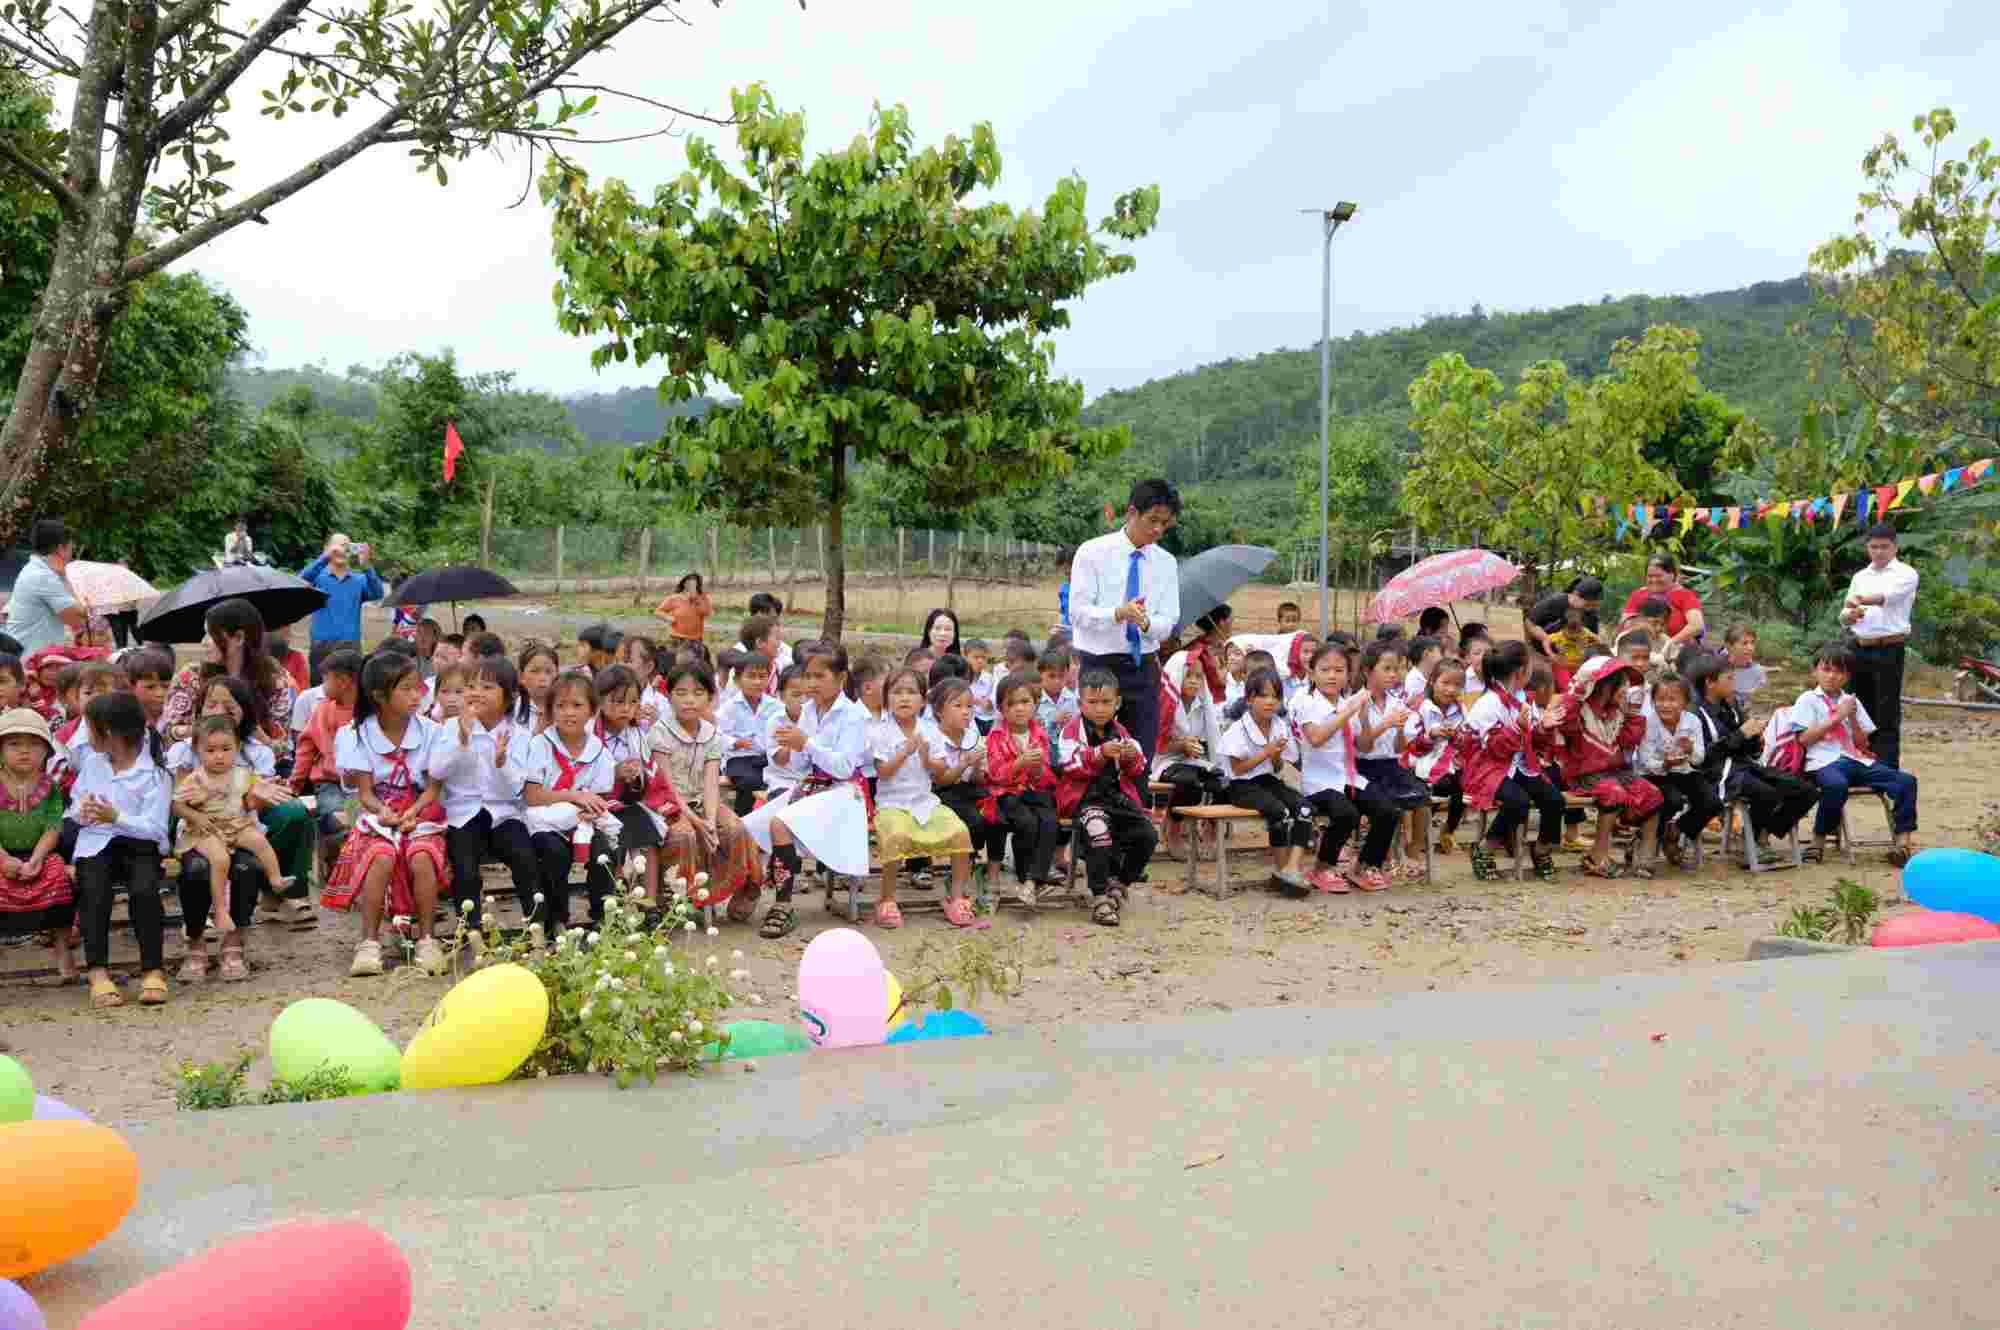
(308, 1275)
(840, 991)
(1923, 927)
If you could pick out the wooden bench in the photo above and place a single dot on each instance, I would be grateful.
(1222, 817)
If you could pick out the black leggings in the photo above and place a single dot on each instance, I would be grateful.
(1516, 795)
(746, 774)
(469, 845)
(1031, 817)
(1118, 840)
(553, 850)
(988, 838)
(1776, 799)
(1451, 787)
(1283, 809)
(197, 893)
(1341, 819)
(136, 863)
(1384, 816)
(56, 917)
(1691, 798)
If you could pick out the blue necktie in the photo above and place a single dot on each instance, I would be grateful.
(1132, 584)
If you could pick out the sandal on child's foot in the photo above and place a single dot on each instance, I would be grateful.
(1447, 843)
(1483, 865)
(1105, 910)
(1412, 870)
(104, 992)
(1370, 879)
(888, 915)
(195, 968)
(233, 968)
(153, 989)
(1290, 883)
(742, 906)
(1603, 868)
(1545, 865)
(958, 912)
(778, 921)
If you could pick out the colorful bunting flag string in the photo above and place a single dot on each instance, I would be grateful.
(1866, 503)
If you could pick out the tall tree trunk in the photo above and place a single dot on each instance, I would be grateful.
(836, 551)
(87, 289)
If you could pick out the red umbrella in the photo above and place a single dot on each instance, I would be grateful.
(1440, 580)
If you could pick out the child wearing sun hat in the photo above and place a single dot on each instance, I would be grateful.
(35, 890)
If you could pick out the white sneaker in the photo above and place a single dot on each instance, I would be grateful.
(430, 956)
(367, 960)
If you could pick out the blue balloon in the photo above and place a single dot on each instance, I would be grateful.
(938, 1025)
(1964, 881)
(47, 1108)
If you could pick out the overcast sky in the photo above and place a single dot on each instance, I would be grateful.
(1527, 154)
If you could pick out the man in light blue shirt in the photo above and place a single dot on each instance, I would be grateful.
(41, 610)
(337, 623)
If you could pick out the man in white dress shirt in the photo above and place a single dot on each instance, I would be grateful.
(1124, 600)
(1879, 601)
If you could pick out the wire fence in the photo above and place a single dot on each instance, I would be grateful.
(608, 558)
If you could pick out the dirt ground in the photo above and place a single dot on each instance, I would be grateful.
(1175, 954)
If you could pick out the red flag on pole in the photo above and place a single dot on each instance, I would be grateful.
(454, 448)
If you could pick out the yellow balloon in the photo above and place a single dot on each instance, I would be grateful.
(63, 1186)
(480, 1032)
(896, 1018)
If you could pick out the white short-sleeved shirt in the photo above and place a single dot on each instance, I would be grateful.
(143, 794)
(1812, 710)
(737, 720)
(836, 743)
(1244, 739)
(786, 768)
(1426, 719)
(628, 745)
(1748, 680)
(1372, 714)
(909, 787)
(472, 780)
(365, 750)
(304, 705)
(983, 688)
(595, 771)
(945, 749)
(1414, 685)
(1897, 584)
(1327, 766)
(1653, 747)
(1055, 712)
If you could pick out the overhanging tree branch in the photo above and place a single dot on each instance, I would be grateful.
(227, 70)
(64, 196)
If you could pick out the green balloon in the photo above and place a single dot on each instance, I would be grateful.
(17, 1092)
(317, 1032)
(757, 1039)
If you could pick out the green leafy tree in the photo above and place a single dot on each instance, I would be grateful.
(148, 85)
(1513, 468)
(1920, 336)
(859, 308)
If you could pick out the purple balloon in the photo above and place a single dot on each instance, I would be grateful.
(47, 1109)
(17, 1310)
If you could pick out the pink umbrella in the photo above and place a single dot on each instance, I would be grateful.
(108, 586)
(1440, 580)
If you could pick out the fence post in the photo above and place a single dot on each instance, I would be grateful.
(930, 559)
(645, 556)
(486, 522)
(715, 553)
(773, 533)
(900, 534)
(951, 575)
(792, 573)
(559, 559)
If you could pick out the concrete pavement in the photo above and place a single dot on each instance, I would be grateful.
(1812, 1144)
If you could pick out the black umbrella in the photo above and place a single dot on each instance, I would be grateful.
(179, 615)
(1212, 576)
(454, 582)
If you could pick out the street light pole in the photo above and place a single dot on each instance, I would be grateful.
(1330, 221)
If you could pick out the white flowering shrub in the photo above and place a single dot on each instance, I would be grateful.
(626, 1000)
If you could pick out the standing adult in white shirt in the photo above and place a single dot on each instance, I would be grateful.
(1879, 602)
(1124, 600)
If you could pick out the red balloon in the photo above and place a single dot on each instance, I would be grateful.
(308, 1275)
(1920, 928)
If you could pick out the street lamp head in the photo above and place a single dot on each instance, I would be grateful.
(1342, 212)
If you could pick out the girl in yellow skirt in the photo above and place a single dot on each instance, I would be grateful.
(911, 822)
